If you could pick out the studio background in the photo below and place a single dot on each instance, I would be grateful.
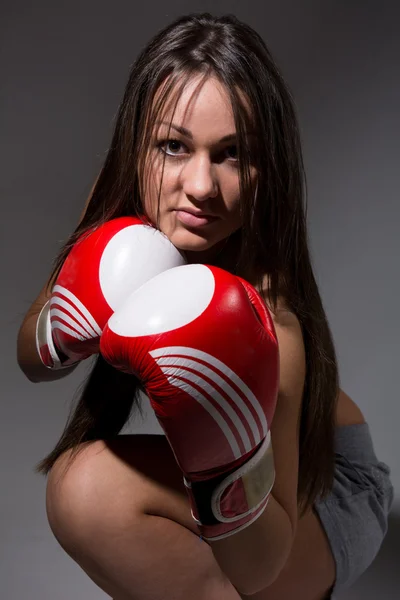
(63, 69)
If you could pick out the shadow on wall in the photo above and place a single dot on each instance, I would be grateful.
(382, 579)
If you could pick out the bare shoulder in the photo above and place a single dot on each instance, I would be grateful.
(347, 411)
(292, 360)
(291, 345)
(281, 313)
(291, 352)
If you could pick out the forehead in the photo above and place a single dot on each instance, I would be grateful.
(199, 99)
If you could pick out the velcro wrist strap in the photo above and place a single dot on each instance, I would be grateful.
(225, 504)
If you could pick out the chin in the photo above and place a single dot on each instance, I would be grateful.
(191, 243)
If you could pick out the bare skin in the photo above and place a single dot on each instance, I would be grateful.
(121, 511)
(122, 514)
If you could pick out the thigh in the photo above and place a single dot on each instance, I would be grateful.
(310, 567)
(99, 510)
(160, 490)
(135, 473)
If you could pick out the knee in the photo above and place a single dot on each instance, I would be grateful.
(75, 496)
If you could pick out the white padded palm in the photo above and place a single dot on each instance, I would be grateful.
(171, 300)
(135, 254)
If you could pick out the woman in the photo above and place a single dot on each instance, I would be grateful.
(207, 146)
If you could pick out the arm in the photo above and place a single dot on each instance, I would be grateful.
(253, 558)
(27, 355)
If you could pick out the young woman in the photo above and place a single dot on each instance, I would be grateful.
(207, 147)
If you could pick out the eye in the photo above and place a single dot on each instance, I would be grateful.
(170, 147)
(232, 151)
(174, 148)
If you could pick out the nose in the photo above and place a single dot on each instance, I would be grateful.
(199, 179)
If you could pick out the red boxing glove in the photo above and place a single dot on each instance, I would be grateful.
(204, 346)
(99, 273)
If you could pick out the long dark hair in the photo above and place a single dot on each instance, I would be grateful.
(272, 240)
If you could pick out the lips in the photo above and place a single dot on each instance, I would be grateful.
(196, 213)
(193, 218)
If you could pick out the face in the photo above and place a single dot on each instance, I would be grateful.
(199, 201)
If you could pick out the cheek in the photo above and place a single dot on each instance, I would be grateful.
(232, 199)
(150, 203)
(156, 204)
(234, 222)
(151, 190)
(232, 204)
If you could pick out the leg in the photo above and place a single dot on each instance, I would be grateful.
(310, 571)
(121, 513)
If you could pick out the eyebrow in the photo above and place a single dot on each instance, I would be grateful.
(189, 134)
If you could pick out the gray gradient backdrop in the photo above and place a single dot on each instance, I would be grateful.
(63, 69)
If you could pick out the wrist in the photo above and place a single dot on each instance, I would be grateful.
(231, 501)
